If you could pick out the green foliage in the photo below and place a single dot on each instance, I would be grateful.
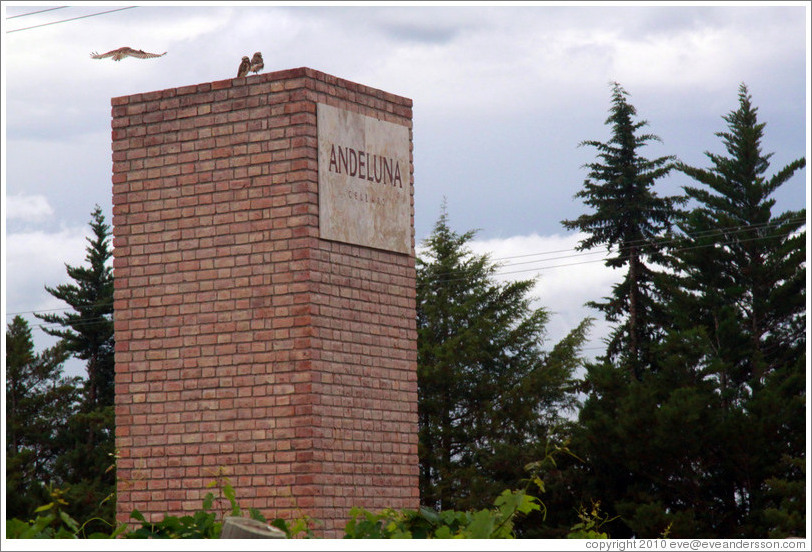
(498, 521)
(85, 438)
(488, 395)
(87, 466)
(87, 332)
(299, 527)
(202, 524)
(743, 267)
(662, 444)
(630, 220)
(786, 491)
(207, 523)
(744, 283)
(590, 524)
(493, 523)
(53, 522)
(39, 403)
(693, 446)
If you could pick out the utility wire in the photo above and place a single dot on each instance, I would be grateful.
(35, 12)
(439, 278)
(37, 311)
(658, 242)
(665, 241)
(462, 272)
(705, 234)
(71, 19)
(460, 275)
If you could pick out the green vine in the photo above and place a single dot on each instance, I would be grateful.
(52, 522)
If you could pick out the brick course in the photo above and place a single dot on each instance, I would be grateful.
(244, 342)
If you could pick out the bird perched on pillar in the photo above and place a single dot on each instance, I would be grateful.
(123, 52)
(245, 66)
(257, 64)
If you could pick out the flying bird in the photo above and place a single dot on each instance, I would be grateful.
(245, 66)
(123, 52)
(257, 64)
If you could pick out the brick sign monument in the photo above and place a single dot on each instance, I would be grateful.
(265, 297)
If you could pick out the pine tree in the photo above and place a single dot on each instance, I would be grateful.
(710, 443)
(87, 332)
(39, 402)
(744, 283)
(488, 396)
(745, 265)
(655, 447)
(628, 219)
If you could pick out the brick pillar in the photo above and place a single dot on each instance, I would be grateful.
(245, 341)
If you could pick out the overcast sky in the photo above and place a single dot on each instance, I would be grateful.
(502, 98)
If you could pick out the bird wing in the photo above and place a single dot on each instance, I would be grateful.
(256, 63)
(143, 55)
(111, 53)
(244, 67)
(123, 52)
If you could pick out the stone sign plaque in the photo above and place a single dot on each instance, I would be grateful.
(364, 182)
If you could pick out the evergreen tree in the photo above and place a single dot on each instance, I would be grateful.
(39, 402)
(488, 396)
(630, 219)
(744, 282)
(711, 443)
(744, 267)
(654, 447)
(87, 332)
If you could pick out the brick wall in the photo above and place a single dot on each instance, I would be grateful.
(245, 344)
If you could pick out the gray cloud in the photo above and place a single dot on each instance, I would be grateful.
(502, 95)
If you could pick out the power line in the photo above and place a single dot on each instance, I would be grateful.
(665, 241)
(36, 311)
(607, 258)
(658, 242)
(74, 325)
(704, 234)
(71, 19)
(35, 12)
(459, 275)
